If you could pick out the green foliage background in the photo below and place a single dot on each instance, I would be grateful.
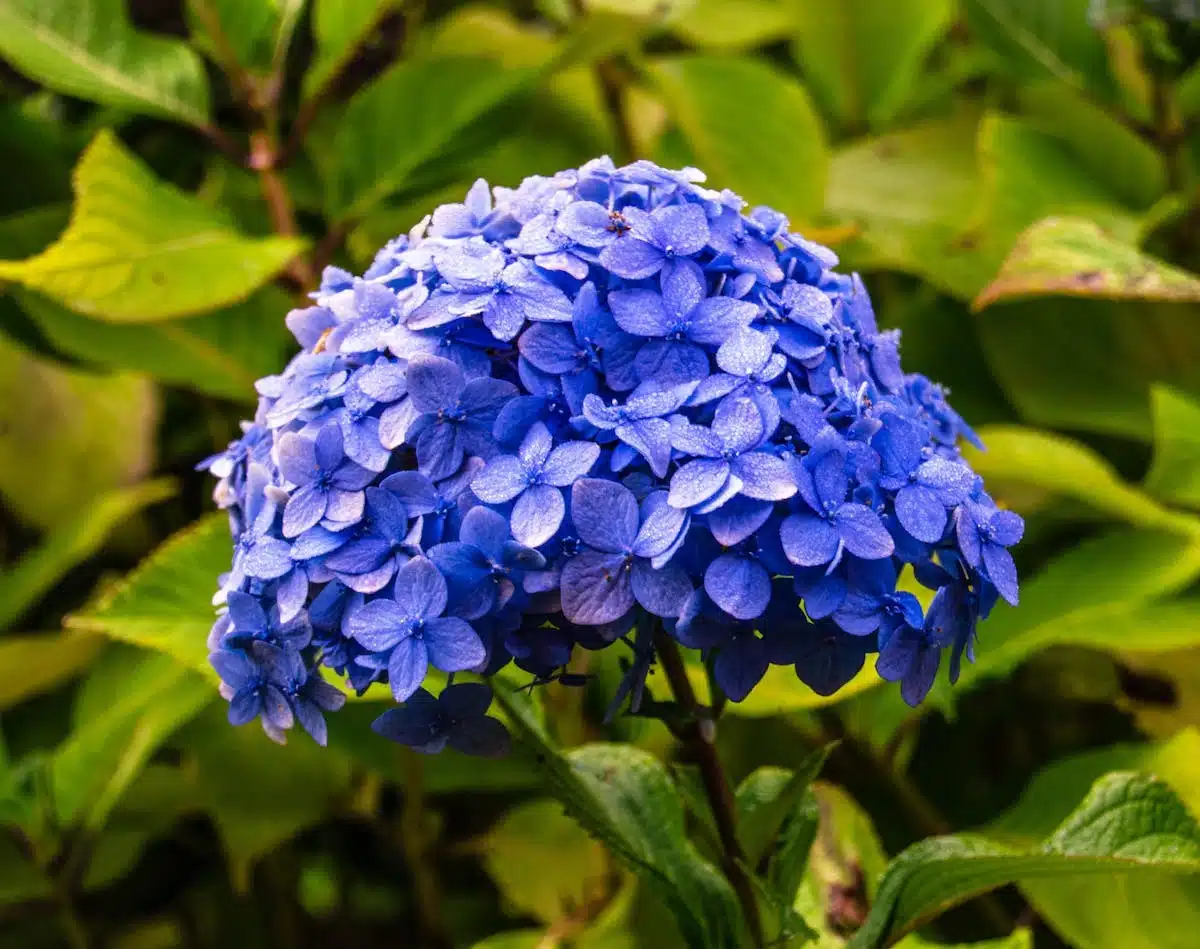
(1019, 180)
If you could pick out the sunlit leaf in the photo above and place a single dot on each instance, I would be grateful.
(165, 604)
(732, 24)
(138, 250)
(151, 698)
(1128, 824)
(1062, 256)
(543, 862)
(1175, 471)
(221, 353)
(30, 665)
(256, 33)
(1030, 458)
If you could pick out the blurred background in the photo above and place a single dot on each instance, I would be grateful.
(1019, 182)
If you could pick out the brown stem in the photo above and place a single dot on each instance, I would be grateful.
(612, 88)
(263, 159)
(414, 839)
(700, 740)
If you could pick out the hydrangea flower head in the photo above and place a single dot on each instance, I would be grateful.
(603, 406)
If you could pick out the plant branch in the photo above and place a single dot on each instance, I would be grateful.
(700, 740)
(414, 840)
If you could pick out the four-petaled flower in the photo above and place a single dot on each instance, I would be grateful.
(412, 631)
(328, 485)
(458, 718)
(535, 477)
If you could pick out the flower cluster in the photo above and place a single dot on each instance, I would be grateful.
(606, 405)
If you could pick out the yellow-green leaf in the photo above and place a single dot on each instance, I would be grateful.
(137, 249)
(88, 49)
(1175, 471)
(862, 56)
(751, 128)
(68, 436)
(1065, 256)
(33, 664)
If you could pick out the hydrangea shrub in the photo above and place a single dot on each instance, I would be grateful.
(601, 407)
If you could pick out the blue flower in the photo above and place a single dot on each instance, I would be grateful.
(479, 280)
(726, 461)
(627, 556)
(456, 415)
(833, 523)
(410, 628)
(328, 486)
(926, 486)
(681, 321)
(534, 478)
(484, 565)
(984, 534)
(750, 467)
(458, 718)
(656, 239)
(639, 422)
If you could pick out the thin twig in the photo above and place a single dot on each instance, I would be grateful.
(612, 88)
(263, 159)
(700, 738)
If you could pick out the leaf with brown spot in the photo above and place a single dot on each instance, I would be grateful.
(1067, 256)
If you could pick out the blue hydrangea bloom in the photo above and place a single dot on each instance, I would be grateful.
(566, 415)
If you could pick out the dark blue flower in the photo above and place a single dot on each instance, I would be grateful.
(458, 718)
(484, 565)
(627, 556)
(680, 321)
(639, 421)
(833, 523)
(984, 534)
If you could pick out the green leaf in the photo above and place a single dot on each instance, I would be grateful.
(624, 798)
(1028, 458)
(715, 100)
(1037, 40)
(1114, 154)
(1092, 912)
(138, 250)
(906, 192)
(112, 742)
(407, 118)
(544, 864)
(1082, 597)
(70, 544)
(1175, 471)
(767, 799)
(1129, 824)
(862, 57)
(1187, 92)
(88, 49)
(165, 604)
(68, 437)
(256, 33)
(259, 794)
(1062, 256)
(220, 354)
(339, 26)
(31, 665)
(1096, 389)
(732, 24)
